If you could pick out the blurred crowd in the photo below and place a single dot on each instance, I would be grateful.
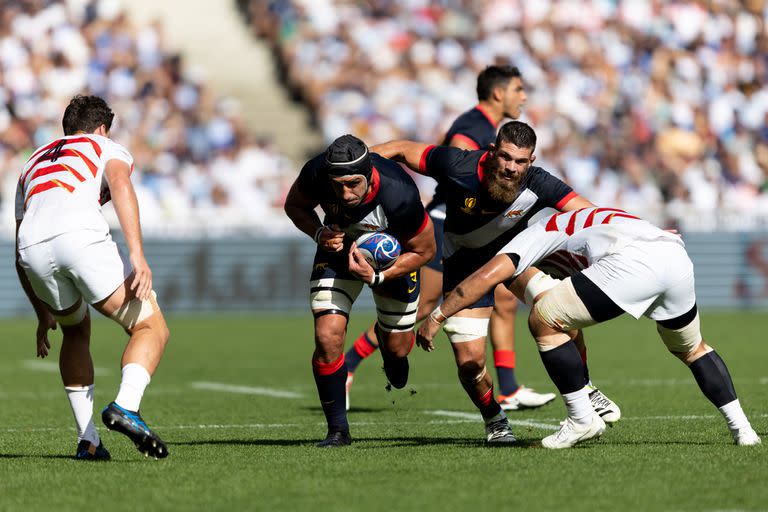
(197, 169)
(660, 107)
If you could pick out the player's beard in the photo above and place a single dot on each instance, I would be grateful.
(501, 189)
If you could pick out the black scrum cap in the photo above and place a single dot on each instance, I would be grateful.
(348, 155)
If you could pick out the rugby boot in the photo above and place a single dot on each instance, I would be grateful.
(499, 432)
(524, 398)
(604, 406)
(745, 437)
(336, 439)
(89, 451)
(130, 424)
(396, 369)
(571, 433)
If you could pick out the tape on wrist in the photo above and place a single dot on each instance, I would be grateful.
(378, 278)
(318, 232)
(437, 316)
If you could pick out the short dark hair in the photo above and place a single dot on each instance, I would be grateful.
(86, 114)
(517, 133)
(492, 77)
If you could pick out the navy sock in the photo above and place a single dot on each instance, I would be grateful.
(330, 379)
(504, 362)
(362, 348)
(713, 378)
(564, 367)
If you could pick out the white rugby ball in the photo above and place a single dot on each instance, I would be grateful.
(379, 249)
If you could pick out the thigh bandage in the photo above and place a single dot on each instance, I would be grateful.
(562, 309)
(461, 329)
(136, 311)
(537, 285)
(683, 340)
(394, 315)
(331, 293)
(74, 317)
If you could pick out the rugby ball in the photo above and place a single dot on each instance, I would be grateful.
(379, 249)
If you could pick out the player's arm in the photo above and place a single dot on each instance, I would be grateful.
(45, 320)
(417, 252)
(407, 152)
(118, 175)
(300, 208)
(499, 269)
(576, 202)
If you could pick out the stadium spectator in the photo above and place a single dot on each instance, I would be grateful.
(197, 168)
(66, 259)
(359, 192)
(607, 80)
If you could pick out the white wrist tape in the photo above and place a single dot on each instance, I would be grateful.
(437, 315)
(378, 278)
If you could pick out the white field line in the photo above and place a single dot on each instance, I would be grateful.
(244, 390)
(51, 366)
(477, 417)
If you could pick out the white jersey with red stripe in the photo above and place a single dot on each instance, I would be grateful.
(62, 187)
(569, 242)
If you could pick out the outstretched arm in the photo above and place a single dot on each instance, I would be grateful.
(499, 269)
(404, 151)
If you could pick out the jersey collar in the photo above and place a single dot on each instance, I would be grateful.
(486, 114)
(375, 181)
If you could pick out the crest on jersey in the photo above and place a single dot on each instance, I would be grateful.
(513, 213)
(469, 204)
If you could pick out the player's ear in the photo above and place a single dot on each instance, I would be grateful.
(498, 93)
(533, 158)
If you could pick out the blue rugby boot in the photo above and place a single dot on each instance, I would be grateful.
(130, 424)
(89, 451)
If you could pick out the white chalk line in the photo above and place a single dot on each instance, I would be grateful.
(244, 390)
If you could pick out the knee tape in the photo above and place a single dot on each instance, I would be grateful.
(460, 329)
(537, 285)
(135, 311)
(333, 294)
(562, 309)
(74, 317)
(683, 340)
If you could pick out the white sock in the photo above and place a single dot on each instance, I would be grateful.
(579, 407)
(135, 380)
(734, 415)
(81, 401)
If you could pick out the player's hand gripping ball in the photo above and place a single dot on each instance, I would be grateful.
(379, 249)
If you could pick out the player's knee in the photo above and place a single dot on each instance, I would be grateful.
(682, 336)
(329, 337)
(471, 371)
(460, 329)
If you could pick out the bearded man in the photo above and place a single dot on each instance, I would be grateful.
(490, 196)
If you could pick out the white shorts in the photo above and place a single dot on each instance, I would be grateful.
(652, 279)
(85, 264)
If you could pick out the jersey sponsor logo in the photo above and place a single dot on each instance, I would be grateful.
(414, 277)
(469, 204)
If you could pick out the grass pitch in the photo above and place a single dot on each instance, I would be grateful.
(235, 399)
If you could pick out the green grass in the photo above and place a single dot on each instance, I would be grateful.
(671, 451)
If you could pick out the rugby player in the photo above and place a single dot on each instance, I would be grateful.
(359, 191)
(618, 264)
(501, 95)
(490, 196)
(66, 259)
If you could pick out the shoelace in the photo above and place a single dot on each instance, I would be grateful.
(498, 429)
(599, 400)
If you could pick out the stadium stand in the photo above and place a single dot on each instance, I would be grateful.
(198, 169)
(656, 107)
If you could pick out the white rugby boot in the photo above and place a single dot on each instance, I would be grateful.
(347, 385)
(604, 406)
(745, 437)
(571, 433)
(524, 398)
(499, 432)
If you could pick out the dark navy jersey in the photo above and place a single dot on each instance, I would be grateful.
(476, 226)
(393, 204)
(476, 129)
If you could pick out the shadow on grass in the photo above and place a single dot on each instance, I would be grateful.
(319, 410)
(368, 442)
(33, 456)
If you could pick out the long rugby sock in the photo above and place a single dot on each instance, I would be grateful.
(713, 378)
(330, 379)
(81, 401)
(489, 408)
(504, 361)
(362, 348)
(579, 407)
(583, 354)
(135, 380)
(564, 366)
